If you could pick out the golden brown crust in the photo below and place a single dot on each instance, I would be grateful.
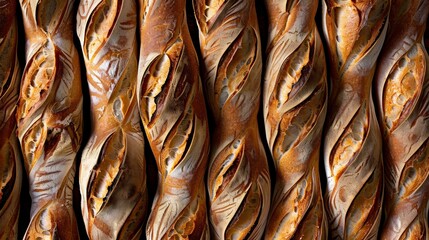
(10, 158)
(174, 116)
(295, 103)
(402, 90)
(113, 169)
(355, 32)
(49, 116)
(238, 178)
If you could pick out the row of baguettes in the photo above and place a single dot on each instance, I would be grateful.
(144, 78)
(363, 39)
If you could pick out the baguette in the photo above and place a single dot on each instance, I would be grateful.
(402, 100)
(113, 169)
(10, 157)
(354, 32)
(238, 178)
(174, 117)
(49, 116)
(295, 104)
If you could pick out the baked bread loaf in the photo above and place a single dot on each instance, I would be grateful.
(238, 178)
(294, 104)
(174, 117)
(49, 116)
(354, 32)
(10, 157)
(402, 90)
(113, 169)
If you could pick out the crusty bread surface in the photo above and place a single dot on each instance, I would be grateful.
(294, 104)
(49, 116)
(238, 179)
(113, 167)
(402, 100)
(352, 151)
(174, 117)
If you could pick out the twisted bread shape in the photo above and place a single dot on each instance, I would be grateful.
(10, 157)
(238, 177)
(113, 169)
(174, 116)
(402, 90)
(295, 103)
(355, 32)
(49, 116)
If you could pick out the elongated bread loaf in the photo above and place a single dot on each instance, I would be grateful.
(174, 116)
(402, 90)
(295, 103)
(113, 170)
(10, 157)
(49, 116)
(355, 32)
(238, 177)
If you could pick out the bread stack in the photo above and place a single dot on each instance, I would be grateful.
(295, 104)
(238, 179)
(402, 90)
(10, 157)
(113, 170)
(49, 116)
(174, 117)
(352, 151)
(257, 126)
